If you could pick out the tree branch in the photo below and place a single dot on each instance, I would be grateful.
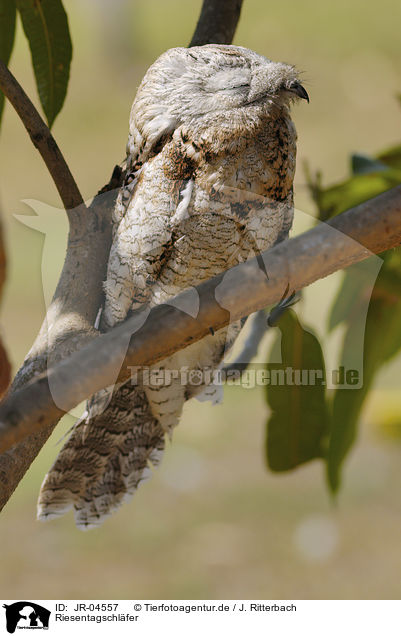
(217, 22)
(372, 227)
(68, 324)
(42, 139)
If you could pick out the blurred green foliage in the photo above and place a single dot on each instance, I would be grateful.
(370, 177)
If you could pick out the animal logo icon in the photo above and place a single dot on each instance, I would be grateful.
(26, 615)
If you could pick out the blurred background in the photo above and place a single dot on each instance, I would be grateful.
(212, 522)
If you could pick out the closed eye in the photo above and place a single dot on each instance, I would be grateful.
(232, 88)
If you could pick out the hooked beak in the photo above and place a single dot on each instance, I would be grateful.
(298, 89)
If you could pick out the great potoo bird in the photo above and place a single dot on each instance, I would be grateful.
(210, 166)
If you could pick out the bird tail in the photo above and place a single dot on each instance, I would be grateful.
(104, 460)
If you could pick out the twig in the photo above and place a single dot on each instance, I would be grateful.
(42, 139)
(217, 22)
(372, 227)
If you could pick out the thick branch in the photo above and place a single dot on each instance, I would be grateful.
(372, 227)
(217, 22)
(79, 293)
(68, 324)
(42, 139)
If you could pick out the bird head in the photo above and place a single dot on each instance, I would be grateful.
(208, 85)
(215, 77)
(230, 76)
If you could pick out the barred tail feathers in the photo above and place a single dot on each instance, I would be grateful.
(105, 459)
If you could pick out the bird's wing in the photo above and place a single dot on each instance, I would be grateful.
(110, 448)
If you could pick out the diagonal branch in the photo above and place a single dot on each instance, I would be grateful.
(42, 139)
(373, 227)
(217, 22)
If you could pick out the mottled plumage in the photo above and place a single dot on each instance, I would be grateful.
(210, 165)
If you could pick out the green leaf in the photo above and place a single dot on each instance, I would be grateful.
(362, 164)
(391, 157)
(298, 424)
(46, 27)
(351, 192)
(382, 342)
(7, 34)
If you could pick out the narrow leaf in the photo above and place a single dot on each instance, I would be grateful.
(46, 27)
(296, 394)
(362, 164)
(7, 34)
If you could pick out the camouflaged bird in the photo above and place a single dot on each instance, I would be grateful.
(210, 166)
